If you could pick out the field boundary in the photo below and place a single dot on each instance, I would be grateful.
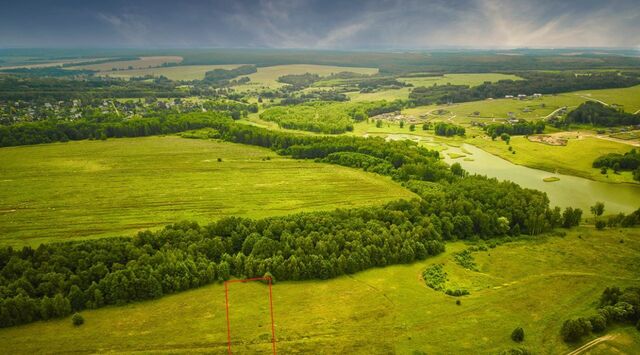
(226, 297)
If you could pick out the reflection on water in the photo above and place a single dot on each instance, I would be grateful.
(568, 191)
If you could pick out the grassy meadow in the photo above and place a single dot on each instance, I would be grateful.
(62, 191)
(531, 109)
(458, 79)
(267, 77)
(454, 79)
(532, 283)
(142, 62)
(628, 98)
(182, 72)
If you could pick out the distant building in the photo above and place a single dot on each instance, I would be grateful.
(537, 95)
(508, 96)
(522, 96)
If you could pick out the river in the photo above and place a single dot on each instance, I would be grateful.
(568, 191)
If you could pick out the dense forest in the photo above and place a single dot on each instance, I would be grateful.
(93, 273)
(87, 88)
(534, 83)
(597, 114)
(399, 63)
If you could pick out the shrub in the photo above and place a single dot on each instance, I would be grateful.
(268, 275)
(77, 319)
(456, 292)
(574, 329)
(435, 277)
(600, 225)
(517, 335)
(598, 323)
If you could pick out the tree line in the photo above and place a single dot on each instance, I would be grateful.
(448, 129)
(535, 82)
(48, 131)
(520, 128)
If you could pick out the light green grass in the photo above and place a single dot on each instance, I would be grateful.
(103, 188)
(499, 109)
(266, 77)
(455, 79)
(573, 159)
(389, 95)
(629, 98)
(459, 79)
(183, 72)
(529, 283)
(143, 62)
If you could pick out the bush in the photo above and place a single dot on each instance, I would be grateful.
(574, 329)
(456, 292)
(600, 225)
(268, 275)
(77, 319)
(598, 323)
(517, 335)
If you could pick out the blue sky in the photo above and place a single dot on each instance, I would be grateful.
(321, 24)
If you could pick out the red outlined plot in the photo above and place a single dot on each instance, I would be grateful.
(226, 296)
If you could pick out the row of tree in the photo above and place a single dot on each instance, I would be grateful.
(61, 131)
(535, 82)
(520, 128)
(448, 129)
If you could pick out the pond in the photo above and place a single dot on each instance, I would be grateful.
(567, 191)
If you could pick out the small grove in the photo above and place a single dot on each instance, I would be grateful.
(615, 306)
(629, 161)
(56, 279)
(326, 117)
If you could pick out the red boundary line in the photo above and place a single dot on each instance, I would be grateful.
(226, 296)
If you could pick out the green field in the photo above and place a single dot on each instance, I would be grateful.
(62, 191)
(142, 62)
(535, 284)
(629, 98)
(455, 79)
(458, 79)
(539, 108)
(182, 72)
(267, 77)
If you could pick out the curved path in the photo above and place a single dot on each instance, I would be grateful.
(591, 344)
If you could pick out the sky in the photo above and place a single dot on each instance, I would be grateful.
(320, 24)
